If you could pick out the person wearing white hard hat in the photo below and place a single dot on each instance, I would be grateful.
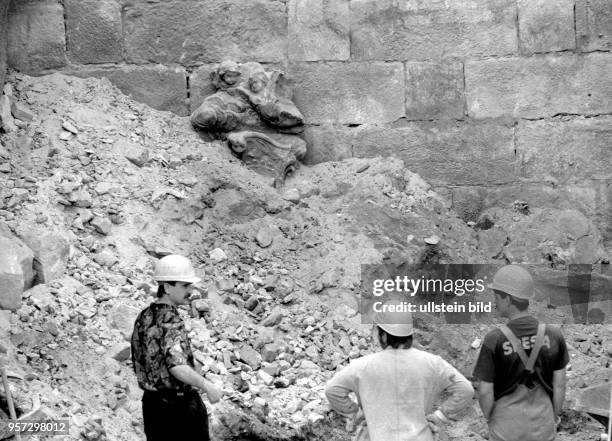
(521, 365)
(397, 387)
(163, 360)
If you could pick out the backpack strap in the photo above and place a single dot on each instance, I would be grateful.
(528, 362)
(516, 344)
(536, 349)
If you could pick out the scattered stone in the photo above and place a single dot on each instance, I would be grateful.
(123, 317)
(121, 351)
(292, 195)
(20, 113)
(6, 118)
(16, 273)
(264, 237)
(5, 167)
(217, 255)
(432, 240)
(201, 305)
(105, 258)
(250, 356)
(251, 303)
(476, 343)
(102, 225)
(309, 365)
(135, 153)
(51, 327)
(189, 181)
(265, 377)
(270, 351)
(40, 297)
(81, 198)
(69, 127)
(51, 248)
(103, 188)
(226, 285)
(274, 318)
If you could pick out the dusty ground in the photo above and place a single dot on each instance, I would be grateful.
(122, 184)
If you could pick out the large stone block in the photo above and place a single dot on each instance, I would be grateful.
(51, 249)
(36, 35)
(539, 86)
(319, 30)
(191, 32)
(568, 151)
(16, 274)
(445, 152)
(94, 31)
(200, 85)
(160, 87)
(349, 93)
(470, 201)
(4, 4)
(328, 143)
(594, 24)
(394, 30)
(546, 26)
(434, 90)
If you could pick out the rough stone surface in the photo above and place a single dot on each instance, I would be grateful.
(349, 93)
(94, 31)
(594, 25)
(36, 36)
(546, 26)
(445, 153)
(4, 4)
(569, 151)
(434, 90)
(539, 86)
(327, 143)
(160, 87)
(200, 85)
(123, 317)
(16, 273)
(391, 30)
(319, 30)
(189, 32)
(51, 249)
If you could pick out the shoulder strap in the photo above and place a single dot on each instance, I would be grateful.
(536, 349)
(518, 348)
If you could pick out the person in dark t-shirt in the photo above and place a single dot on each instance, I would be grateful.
(521, 393)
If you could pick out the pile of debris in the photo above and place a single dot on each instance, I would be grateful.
(94, 187)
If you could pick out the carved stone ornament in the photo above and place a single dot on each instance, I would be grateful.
(253, 111)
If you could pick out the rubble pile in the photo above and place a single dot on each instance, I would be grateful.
(94, 187)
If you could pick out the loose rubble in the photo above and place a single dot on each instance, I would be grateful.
(94, 187)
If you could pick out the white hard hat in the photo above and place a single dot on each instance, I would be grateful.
(515, 281)
(394, 319)
(175, 268)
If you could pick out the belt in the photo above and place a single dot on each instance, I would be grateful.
(171, 392)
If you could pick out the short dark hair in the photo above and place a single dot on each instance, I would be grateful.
(160, 289)
(520, 304)
(393, 340)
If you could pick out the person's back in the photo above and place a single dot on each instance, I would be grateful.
(397, 389)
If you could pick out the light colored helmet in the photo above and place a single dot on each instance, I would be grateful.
(515, 281)
(175, 268)
(394, 320)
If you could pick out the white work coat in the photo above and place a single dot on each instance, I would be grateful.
(396, 389)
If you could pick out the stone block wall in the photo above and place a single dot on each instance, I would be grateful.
(4, 4)
(489, 100)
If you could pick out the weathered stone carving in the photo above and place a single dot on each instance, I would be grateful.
(253, 111)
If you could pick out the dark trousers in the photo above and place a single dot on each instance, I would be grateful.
(171, 416)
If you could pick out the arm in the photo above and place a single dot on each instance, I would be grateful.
(459, 388)
(486, 398)
(559, 381)
(188, 375)
(338, 389)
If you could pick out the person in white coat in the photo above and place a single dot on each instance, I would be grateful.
(396, 387)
